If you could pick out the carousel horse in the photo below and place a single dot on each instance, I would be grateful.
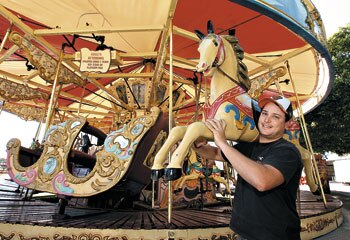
(221, 60)
(196, 170)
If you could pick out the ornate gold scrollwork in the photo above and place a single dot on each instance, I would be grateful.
(263, 81)
(11, 91)
(51, 174)
(45, 64)
(27, 113)
(158, 143)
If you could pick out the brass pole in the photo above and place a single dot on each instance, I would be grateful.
(56, 100)
(51, 104)
(39, 128)
(81, 99)
(153, 193)
(306, 135)
(170, 110)
(5, 37)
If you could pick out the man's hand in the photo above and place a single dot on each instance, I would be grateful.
(218, 129)
(201, 141)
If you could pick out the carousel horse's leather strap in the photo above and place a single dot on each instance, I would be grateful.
(220, 55)
(232, 79)
(228, 96)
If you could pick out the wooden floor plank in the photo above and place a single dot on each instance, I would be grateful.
(37, 212)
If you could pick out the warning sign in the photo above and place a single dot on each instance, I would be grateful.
(95, 61)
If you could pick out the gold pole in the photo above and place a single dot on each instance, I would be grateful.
(5, 37)
(306, 135)
(170, 110)
(81, 99)
(51, 104)
(153, 193)
(56, 101)
(39, 127)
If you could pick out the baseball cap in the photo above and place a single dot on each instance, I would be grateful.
(283, 103)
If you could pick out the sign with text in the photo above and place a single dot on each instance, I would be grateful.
(95, 61)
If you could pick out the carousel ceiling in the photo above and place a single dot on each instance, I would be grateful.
(41, 41)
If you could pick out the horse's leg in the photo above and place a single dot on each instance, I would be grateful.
(192, 176)
(230, 173)
(176, 134)
(223, 181)
(307, 159)
(193, 132)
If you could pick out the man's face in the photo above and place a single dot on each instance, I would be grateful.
(271, 123)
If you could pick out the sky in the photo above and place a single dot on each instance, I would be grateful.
(334, 14)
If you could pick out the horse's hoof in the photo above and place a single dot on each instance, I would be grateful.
(156, 174)
(172, 174)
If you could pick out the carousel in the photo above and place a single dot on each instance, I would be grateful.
(120, 89)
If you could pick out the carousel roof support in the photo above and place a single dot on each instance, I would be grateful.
(107, 91)
(120, 75)
(171, 74)
(17, 22)
(100, 30)
(158, 70)
(54, 99)
(17, 79)
(281, 59)
(8, 53)
(5, 37)
(70, 109)
(307, 136)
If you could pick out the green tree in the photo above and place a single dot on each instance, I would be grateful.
(329, 124)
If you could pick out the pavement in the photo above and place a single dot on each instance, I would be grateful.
(341, 191)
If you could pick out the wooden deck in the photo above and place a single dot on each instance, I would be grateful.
(16, 211)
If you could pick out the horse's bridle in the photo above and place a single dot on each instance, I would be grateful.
(220, 54)
(219, 59)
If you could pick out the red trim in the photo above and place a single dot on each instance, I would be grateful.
(228, 96)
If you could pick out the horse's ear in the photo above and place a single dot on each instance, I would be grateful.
(210, 27)
(199, 34)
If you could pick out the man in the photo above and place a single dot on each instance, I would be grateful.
(264, 206)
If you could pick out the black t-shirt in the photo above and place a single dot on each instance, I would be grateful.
(271, 214)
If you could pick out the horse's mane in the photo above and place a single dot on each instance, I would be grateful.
(241, 68)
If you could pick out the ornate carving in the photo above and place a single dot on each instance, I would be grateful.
(158, 143)
(119, 147)
(262, 82)
(11, 91)
(140, 90)
(27, 113)
(7, 237)
(318, 225)
(83, 236)
(50, 173)
(45, 64)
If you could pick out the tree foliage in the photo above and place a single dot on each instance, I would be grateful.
(329, 124)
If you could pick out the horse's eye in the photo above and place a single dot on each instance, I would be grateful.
(215, 42)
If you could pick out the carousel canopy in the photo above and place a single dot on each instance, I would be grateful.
(42, 41)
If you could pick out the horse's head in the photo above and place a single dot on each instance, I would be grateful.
(211, 49)
(223, 53)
